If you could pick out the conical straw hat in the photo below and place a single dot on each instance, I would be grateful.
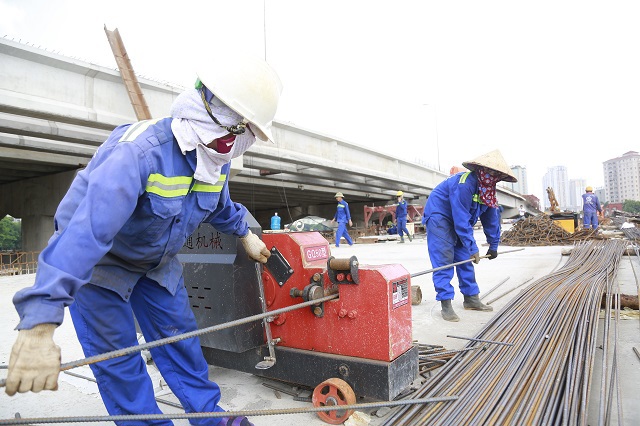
(494, 161)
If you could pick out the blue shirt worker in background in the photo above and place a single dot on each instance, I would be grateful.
(118, 231)
(590, 209)
(451, 211)
(275, 222)
(342, 216)
(401, 217)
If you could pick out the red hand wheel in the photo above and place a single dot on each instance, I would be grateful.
(336, 392)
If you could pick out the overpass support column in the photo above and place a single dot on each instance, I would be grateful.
(37, 209)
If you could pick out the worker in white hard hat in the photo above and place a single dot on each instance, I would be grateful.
(342, 216)
(591, 209)
(451, 211)
(401, 217)
(118, 230)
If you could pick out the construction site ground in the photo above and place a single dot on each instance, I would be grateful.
(242, 391)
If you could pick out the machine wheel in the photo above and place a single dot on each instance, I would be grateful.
(333, 391)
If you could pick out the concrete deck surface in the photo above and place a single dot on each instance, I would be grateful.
(242, 391)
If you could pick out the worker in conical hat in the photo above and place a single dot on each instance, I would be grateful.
(451, 211)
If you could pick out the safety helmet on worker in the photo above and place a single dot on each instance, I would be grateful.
(589, 189)
(338, 194)
(493, 161)
(399, 194)
(246, 84)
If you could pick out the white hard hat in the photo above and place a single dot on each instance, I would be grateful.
(338, 194)
(247, 85)
(494, 161)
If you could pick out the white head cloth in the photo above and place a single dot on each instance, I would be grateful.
(193, 128)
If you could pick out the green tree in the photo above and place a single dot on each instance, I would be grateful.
(631, 206)
(10, 234)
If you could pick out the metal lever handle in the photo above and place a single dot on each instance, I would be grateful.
(269, 361)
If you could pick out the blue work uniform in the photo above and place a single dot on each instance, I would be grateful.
(113, 255)
(450, 213)
(401, 218)
(342, 216)
(590, 207)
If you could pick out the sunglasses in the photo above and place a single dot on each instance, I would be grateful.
(236, 129)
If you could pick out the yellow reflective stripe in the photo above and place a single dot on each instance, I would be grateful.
(164, 186)
(463, 178)
(476, 198)
(207, 187)
(340, 206)
(136, 129)
(210, 187)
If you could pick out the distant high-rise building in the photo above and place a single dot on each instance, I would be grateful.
(557, 178)
(622, 178)
(600, 193)
(522, 185)
(576, 189)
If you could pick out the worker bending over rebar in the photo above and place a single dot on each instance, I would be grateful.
(451, 211)
(118, 231)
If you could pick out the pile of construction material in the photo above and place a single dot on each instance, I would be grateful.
(541, 230)
(534, 361)
(627, 223)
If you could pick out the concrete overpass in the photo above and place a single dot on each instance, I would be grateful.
(55, 111)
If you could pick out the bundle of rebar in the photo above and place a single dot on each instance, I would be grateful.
(545, 377)
(541, 230)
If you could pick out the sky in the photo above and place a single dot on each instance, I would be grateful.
(548, 83)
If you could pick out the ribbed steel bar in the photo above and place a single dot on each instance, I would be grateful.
(219, 414)
(492, 289)
(544, 378)
(451, 265)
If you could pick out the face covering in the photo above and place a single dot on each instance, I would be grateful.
(487, 187)
(194, 129)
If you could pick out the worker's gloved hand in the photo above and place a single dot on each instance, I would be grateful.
(255, 248)
(34, 364)
(492, 254)
(476, 257)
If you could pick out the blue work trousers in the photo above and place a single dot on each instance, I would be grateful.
(105, 322)
(402, 227)
(342, 231)
(590, 220)
(446, 248)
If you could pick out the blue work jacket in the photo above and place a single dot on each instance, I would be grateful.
(342, 212)
(126, 215)
(590, 203)
(401, 210)
(457, 199)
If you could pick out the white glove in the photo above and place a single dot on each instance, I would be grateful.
(34, 364)
(255, 248)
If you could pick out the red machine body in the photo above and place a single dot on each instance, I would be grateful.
(371, 318)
